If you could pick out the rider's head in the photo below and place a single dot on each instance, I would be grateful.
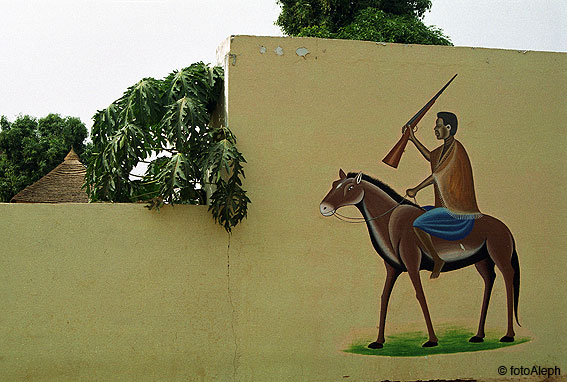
(449, 119)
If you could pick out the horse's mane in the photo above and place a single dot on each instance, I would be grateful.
(384, 187)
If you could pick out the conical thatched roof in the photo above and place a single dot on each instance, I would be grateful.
(61, 185)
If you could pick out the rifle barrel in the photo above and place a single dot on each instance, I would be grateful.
(416, 118)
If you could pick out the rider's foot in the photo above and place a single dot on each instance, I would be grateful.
(437, 267)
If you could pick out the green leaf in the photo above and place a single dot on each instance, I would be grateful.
(174, 175)
(194, 81)
(142, 102)
(184, 122)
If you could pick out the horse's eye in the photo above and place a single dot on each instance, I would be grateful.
(350, 188)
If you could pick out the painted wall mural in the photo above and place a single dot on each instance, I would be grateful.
(448, 236)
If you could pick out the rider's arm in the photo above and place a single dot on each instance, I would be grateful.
(427, 182)
(422, 149)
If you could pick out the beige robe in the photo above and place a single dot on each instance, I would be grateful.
(454, 185)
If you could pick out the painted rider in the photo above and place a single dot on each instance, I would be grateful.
(455, 209)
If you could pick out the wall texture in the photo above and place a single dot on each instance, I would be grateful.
(111, 292)
(115, 292)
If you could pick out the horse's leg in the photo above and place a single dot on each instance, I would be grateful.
(411, 256)
(391, 277)
(486, 270)
(508, 274)
(502, 256)
(416, 281)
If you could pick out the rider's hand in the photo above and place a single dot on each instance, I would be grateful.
(411, 133)
(411, 192)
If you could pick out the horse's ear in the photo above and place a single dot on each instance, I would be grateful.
(359, 178)
(342, 174)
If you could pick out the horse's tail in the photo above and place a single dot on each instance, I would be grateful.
(516, 281)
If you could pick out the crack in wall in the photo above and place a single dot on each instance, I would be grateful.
(233, 314)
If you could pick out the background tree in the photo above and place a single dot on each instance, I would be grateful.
(165, 125)
(30, 148)
(373, 20)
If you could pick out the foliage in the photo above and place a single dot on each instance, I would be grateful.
(373, 20)
(376, 25)
(165, 124)
(30, 148)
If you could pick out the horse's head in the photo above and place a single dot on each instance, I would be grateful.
(344, 192)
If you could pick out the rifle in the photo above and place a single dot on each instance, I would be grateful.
(394, 156)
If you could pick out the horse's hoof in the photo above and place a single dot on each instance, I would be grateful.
(429, 344)
(476, 339)
(375, 345)
(507, 339)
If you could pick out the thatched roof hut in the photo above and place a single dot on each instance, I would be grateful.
(61, 185)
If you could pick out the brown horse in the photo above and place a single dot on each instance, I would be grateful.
(389, 218)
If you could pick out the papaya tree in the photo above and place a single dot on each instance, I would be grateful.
(165, 124)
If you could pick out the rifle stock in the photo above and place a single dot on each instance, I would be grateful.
(395, 155)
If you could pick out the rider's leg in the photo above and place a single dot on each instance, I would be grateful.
(425, 239)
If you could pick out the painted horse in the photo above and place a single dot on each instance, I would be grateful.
(389, 218)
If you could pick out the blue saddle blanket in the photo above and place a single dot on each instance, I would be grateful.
(439, 222)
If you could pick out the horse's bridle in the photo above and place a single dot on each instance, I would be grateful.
(364, 220)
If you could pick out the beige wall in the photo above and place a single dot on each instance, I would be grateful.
(113, 291)
(108, 292)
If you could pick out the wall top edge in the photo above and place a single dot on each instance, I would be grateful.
(105, 205)
(229, 40)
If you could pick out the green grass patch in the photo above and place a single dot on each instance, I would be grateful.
(452, 339)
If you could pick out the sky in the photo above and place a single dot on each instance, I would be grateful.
(76, 57)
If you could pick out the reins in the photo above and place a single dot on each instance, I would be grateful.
(364, 220)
